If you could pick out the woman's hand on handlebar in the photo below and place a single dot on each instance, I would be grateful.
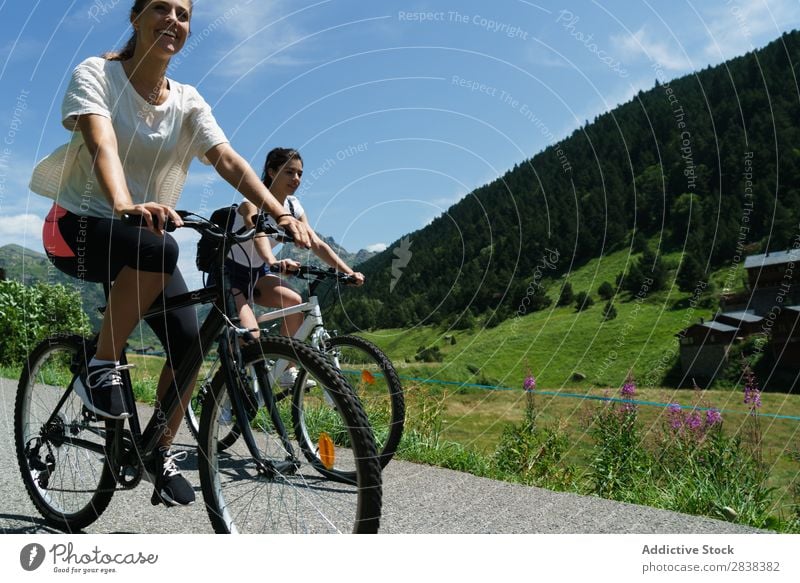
(357, 278)
(296, 229)
(285, 266)
(154, 215)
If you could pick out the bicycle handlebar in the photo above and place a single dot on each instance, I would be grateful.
(206, 227)
(306, 270)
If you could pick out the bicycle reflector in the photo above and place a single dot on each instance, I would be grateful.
(326, 452)
(367, 377)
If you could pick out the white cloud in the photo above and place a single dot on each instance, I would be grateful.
(643, 44)
(23, 229)
(376, 247)
(260, 33)
(741, 26)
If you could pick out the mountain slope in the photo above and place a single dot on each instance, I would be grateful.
(706, 163)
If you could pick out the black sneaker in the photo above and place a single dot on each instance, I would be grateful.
(102, 392)
(171, 488)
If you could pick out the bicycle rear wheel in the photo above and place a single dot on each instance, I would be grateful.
(377, 386)
(279, 493)
(60, 445)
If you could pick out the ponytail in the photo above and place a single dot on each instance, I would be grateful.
(125, 54)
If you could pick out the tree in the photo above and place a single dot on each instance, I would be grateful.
(609, 311)
(690, 274)
(583, 301)
(606, 290)
(567, 295)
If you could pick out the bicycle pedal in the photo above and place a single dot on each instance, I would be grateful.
(88, 416)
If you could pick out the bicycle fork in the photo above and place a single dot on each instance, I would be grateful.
(243, 401)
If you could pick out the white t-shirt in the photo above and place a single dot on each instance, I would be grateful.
(246, 254)
(156, 143)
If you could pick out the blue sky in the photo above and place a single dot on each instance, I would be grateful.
(399, 108)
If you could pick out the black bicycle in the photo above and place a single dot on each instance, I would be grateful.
(72, 461)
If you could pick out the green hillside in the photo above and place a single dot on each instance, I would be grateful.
(563, 347)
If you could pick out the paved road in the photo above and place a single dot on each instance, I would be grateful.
(417, 499)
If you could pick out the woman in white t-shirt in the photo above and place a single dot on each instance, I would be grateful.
(135, 134)
(249, 266)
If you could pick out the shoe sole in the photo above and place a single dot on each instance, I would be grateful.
(80, 390)
(158, 498)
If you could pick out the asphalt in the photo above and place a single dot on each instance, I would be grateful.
(416, 499)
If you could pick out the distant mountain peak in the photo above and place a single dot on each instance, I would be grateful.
(352, 259)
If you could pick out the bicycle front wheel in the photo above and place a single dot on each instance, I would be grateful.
(199, 395)
(60, 445)
(272, 491)
(377, 386)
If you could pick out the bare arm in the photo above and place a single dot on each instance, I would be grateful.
(261, 241)
(238, 173)
(101, 141)
(322, 250)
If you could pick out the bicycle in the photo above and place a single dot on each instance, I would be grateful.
(369, 371)
(72, 461)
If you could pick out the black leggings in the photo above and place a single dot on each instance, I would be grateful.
(96, 250)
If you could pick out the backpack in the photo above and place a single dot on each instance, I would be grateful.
(207, 246)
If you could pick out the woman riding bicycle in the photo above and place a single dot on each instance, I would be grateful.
(135, 134)
(249, 264)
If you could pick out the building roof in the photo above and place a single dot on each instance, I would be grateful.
(718, 327)
(772, 258)
(742, 316)
(712, 326)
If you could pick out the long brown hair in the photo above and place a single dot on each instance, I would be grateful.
(130, 47)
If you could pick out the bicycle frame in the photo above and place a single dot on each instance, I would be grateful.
(220, 328)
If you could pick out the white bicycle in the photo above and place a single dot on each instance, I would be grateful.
(311, 411)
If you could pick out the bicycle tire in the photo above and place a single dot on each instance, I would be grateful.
(70, 485)
(240, 497)
(377, 386)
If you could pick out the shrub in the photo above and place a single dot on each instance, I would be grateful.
(30, 313)
(533, 455)
(606, 290)
(430, 354)
(566, 296)
(583, 301)
(619, 461)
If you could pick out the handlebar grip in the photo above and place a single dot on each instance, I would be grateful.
(134, 220)
(275, 268)
(261, 221)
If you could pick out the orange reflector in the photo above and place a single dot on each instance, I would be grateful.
(367, 377)
(326, 452)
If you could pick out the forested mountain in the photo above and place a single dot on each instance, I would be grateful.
(710, 162)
